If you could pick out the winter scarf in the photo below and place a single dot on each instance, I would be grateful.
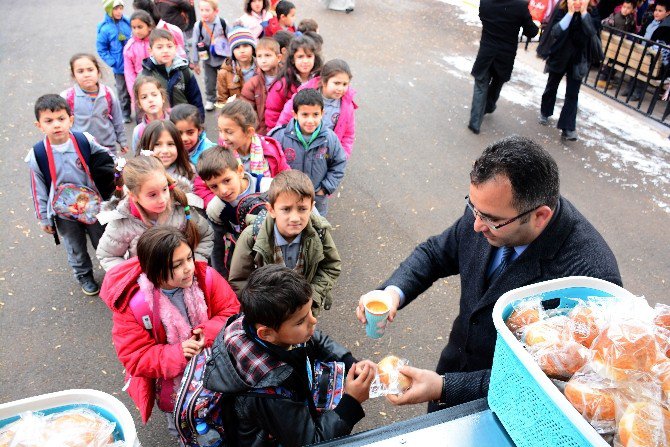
(258, 165)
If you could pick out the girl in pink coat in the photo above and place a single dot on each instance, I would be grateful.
(338, 98)
(137, 48)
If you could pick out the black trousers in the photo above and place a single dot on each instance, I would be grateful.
(568, 117)
(484, 98)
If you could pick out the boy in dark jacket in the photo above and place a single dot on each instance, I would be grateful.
(172, 71)
(312, 148)
(623, 20)
(273, 346)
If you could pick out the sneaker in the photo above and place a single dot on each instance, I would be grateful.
(473, 129)
(127, 120)
(569, 135)
(209, 106)
(88, 285)
(349, 10)
(544, 120)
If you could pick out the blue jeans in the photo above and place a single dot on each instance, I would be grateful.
(73, 235)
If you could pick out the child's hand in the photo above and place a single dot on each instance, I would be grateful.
(358, 385)
(196, 69)
(361, 365)
(47, 229)
(193, 345)
(199, 337)
(320, 193)
(124, 149)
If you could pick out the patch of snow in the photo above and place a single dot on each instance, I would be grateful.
(469, 10)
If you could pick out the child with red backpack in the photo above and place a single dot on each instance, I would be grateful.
(166, 308)
(96, 109)
(70, 175)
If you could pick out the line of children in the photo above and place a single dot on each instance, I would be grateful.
(312, 147)
(113, 34)
(95, 108)
(210, 45)
(152, 105)
(338, 100)
(137, 49)
(256, 16)
(255, 90)
(149, 197)
(172, 71)
(191, 129)
(303, 62)
(241, 66)
(285, 16)
(292, 236)
(163, 139)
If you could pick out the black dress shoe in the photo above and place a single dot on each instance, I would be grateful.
(473, 129)
(491, 109)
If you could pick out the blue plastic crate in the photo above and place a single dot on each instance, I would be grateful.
(530, 407)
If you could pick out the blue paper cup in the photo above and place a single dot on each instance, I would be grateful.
(376, 320)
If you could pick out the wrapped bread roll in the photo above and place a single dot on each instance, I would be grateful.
(390, 376)
(585, 323)
(594, 399)
(645, 424)
(549, 331)
(525, 313)
(624, 349)
(560, 360)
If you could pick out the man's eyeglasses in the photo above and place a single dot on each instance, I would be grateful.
(490, 222)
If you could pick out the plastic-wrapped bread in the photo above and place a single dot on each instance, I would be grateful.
(594, 397)
(390, 376)
(525, 313)
(645, 424)
(560, 360)
(586, 322)
(551, 330)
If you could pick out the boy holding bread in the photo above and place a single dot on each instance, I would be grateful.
(271, 359)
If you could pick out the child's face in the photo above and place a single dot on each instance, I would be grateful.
(626, 9)
(297, 329)
(243, 53)
(207, 13)
(153, 194)
(150, 100)
(117, 13)
(291, 214)
(189, 133)
(86, 74)
(140, 29)
(309, 118)
(257, 6)
(233, 136)
(660, 13)
(227, 185)
(163, 51)
(165, 149)
(336, 86)
(288, 19)
(267, 60)
(303, 61)
(183, 268)
(55, 125)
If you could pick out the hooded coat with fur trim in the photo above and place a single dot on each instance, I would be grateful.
(146, 354)
(124, 228)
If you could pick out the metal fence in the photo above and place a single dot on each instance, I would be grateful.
(633, 73)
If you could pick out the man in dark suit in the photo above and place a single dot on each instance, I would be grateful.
(516, 230)
(501, 20)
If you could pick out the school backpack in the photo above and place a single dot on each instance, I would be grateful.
(250, 205)
(69, 97)
(219, 46)
(100, 165)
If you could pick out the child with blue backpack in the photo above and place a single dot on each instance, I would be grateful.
(70, 174)
(166, 307)
(113, 34)
(274, 363)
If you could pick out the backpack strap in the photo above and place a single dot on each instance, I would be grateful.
(140, 308)
(108, 98)
(42, 160)
(69, 97)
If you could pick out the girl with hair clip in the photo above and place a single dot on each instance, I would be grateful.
(256, 16)
(95, 108)
(163, 140)
(303, 62)
(338, 102)
(137, 49)
(147, 196)
(183, 305)
(152, 104)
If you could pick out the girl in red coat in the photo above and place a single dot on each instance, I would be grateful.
(166, 308)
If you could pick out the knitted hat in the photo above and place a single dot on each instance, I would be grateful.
(240, 36)
(109, 5)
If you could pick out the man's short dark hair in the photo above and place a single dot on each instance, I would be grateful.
(283, 8)
(307, 97)
(530, 169)
(52, 103)
(272, 294)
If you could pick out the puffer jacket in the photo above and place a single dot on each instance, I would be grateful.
(254, 22)
(242, 363)
(134, 53)
(324, 161)
(345, 129)
(109, 47)
(322, 261)
(180, 83)
(274, 104)
(124, 228)
(146, 354)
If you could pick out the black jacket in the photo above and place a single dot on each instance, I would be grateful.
(568, 246)
(180, 13)
(569, 48)
(277, 420)
(501, 21)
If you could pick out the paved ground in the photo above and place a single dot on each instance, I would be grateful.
(406, 181)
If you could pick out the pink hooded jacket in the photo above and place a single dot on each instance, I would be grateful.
(274, 103)
(134, 53)
(345, 129)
